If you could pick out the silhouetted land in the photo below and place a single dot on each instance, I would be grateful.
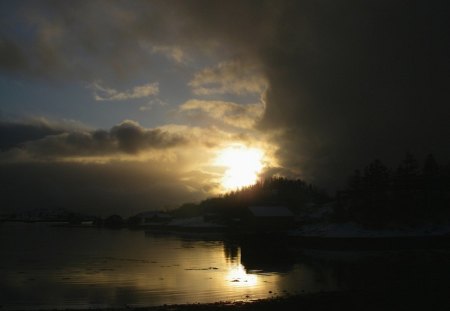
(376, 196)
(384, 197)
(295, 194)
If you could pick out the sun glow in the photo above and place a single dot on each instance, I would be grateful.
(242, 166)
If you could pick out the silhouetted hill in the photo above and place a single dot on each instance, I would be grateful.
(295, 194)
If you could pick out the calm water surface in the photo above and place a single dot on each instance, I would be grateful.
(43, 267)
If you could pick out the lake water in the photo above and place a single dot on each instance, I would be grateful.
(47, 267)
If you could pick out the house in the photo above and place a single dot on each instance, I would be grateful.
(270, 217)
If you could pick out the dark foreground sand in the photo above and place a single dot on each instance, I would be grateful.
(380, 300)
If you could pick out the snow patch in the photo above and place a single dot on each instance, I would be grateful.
(349, 230)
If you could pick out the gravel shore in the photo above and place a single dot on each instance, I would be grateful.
(329, 301)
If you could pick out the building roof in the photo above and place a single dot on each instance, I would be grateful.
(270, 211)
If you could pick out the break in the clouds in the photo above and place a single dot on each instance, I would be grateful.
(102, 93)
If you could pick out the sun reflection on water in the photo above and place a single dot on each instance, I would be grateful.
(237, 276)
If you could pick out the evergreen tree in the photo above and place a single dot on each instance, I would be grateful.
(376, 176)
(407, 172)
(355, 181)
(430, 168)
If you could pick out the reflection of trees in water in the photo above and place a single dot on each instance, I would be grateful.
(274, 255)
(413, 270)
(231, 251)
(259, 254)
(419, 271)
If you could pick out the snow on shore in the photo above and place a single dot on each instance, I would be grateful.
(349, 230)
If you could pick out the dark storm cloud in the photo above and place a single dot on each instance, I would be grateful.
(88, 39)
(71, 40)
(12, 134)
(352, 81)
(348, 80)
(45, 141)
(132, 138)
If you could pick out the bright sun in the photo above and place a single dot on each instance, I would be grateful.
(242, 166)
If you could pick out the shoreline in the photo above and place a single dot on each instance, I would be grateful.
(400, 299)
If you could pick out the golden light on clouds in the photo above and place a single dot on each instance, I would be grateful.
(242, 166)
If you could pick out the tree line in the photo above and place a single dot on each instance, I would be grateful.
(275, 191)
(410, 194)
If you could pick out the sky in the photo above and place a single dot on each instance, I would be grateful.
(123, 106)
